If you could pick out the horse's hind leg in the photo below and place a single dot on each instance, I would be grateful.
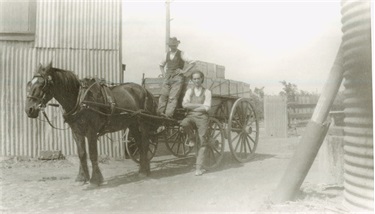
(83, 174)
(96, 177)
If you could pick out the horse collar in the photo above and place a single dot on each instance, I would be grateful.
(69, 116)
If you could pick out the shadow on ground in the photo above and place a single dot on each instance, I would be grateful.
(177, 166)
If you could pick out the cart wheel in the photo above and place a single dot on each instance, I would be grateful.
(243, 130)
(215, 141)
(175, 141)
(132, 147)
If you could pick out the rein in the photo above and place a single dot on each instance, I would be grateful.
(49, 122)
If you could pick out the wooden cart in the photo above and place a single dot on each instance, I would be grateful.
(232, 119)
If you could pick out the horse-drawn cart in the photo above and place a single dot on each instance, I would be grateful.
(232, 119)
(92, 109)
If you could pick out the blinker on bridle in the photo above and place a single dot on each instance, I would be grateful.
(47, 82)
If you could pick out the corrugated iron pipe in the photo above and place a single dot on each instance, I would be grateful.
(358, 138)
(312, 138)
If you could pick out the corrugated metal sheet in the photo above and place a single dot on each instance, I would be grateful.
(275, 116)
(15, 65)
(83, 37)
(79, 24)
(100, 63)
(359, 163)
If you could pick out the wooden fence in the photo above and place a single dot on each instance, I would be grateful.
(300, 111)
(275, 116)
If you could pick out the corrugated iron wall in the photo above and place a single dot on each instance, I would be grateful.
(79, 24)
(83, 37)
(358, 139)
(275, 116)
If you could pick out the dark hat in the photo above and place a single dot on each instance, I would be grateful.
(173, 41)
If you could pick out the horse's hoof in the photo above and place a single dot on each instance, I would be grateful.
(81, 183)
(143, 175)
(92, 185)
(98, 181)
(81, 179)
(103, 183)
(95, 185)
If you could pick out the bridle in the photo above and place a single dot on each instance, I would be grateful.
(45, 89)
(43, 100)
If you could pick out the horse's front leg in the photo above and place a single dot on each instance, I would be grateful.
(83, 174)
(144, 167)
(96, 177)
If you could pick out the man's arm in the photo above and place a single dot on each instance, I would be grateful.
(162, 71)
(205, 107)
(162, 66)
(195, 107)
(190, 61)
(186, 101)
(188, 68)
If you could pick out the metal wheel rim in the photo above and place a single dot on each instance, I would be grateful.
(243, 132)
(132, 147)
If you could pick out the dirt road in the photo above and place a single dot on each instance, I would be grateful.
(48, 186)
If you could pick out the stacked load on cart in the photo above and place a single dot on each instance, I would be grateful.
(214, 80)
(232, 117)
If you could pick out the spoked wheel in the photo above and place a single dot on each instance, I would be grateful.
(243, 130)
(215, 144)
(175, 141)
(133, 150)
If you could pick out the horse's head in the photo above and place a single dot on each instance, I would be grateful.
(39, 91)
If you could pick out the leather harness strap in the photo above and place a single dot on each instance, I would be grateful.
(108, 100)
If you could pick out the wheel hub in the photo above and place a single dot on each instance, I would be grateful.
(250, 130)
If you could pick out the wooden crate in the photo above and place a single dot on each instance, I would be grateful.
(233, 88)
(224, 87)
(220, 72)
(240, 89)
(154, 85)
(246, 90)
(213, 85)
(202, 66)
(211, 70)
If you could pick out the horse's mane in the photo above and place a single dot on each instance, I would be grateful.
(60, 76)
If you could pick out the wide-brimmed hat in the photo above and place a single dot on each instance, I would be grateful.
(173, 41)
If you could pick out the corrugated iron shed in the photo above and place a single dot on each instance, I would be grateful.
(82, 36)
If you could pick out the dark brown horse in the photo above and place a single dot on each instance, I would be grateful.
(91, 121)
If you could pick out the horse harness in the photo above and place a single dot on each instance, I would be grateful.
(96, 87)
(102, 96)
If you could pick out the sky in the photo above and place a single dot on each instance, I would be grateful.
(259, 42)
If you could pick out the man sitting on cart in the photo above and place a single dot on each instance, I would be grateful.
(197, 101)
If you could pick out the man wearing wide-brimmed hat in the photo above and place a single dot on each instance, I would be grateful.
(172, 69)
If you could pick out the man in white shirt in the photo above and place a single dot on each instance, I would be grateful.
(197, 101)
(172, 70)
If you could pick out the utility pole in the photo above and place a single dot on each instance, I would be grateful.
(168, 24)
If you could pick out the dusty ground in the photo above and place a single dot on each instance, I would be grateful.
(34, 186)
